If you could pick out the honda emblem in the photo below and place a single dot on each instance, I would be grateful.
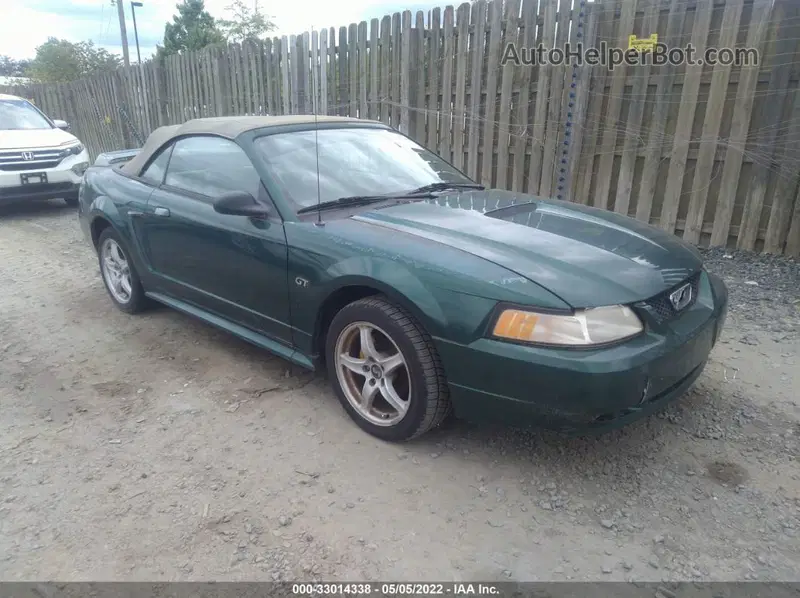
(27, 155)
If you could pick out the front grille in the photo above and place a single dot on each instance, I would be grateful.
(660, 305)
(33, 165)
(18, 160)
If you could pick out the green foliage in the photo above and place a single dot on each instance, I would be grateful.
(59, 61)
(10, 67)
(246, 23)
(193, 28)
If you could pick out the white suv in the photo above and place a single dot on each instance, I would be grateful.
(39, 159)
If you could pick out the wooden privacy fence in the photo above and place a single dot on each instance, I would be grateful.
(710, 153)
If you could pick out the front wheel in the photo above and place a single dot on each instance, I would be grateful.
(385, 370)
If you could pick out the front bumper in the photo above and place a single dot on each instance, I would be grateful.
(62, 181)
(38, 192)
(579, 390)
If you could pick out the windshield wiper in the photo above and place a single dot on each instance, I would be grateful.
(360, 200)
(419, 193)
(444, 187)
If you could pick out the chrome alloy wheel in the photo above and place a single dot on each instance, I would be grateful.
(373, 374)
(116, 271)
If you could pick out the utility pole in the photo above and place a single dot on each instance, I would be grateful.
(136, 29)
(123, 32)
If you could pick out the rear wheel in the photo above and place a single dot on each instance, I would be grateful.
(385, 370)
(119, 274)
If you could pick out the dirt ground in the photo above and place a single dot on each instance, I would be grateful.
(154, 447)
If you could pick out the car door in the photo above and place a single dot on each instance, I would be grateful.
(232, 266)
(148, 180)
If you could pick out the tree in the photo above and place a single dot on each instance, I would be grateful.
(12, 68)
(193, 28)
(58, 61)
(246, 23)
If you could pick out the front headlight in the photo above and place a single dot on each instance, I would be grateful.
(584, 328)
(75, 149)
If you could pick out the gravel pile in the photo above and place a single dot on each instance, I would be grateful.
(763, 289)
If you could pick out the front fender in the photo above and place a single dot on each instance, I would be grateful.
(318, 280)
(452, 294)
(394, 280)
(445, 314)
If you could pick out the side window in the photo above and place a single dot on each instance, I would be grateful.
(211, 166)
(154, 173)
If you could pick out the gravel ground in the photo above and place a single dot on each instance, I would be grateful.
(157, 448)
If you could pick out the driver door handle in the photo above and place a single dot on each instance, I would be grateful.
(163, 212)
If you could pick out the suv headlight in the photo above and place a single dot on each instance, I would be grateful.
(583, 328)
(74, 149)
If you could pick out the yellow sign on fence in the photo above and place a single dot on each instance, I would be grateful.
(644, 44)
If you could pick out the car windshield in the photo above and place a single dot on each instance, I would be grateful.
(20, 114)
(352, 161)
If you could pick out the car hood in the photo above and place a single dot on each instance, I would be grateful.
(33, 138)
(587, 256)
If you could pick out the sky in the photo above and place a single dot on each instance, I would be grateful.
(27, 24)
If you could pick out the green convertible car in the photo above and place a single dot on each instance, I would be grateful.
(341, 243)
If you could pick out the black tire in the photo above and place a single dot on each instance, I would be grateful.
(429, 401)
(138, 301)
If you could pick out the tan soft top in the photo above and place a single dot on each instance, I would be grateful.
(224, 126)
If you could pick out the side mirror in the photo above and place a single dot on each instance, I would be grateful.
(240, 203)
(61, 124)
